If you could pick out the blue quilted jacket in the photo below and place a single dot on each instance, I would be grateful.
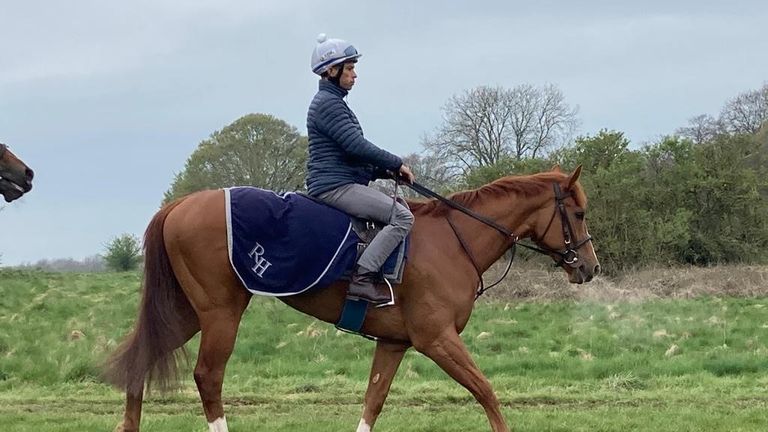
(338, 152)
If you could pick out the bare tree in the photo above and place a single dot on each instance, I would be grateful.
(524, 102)
(475, 127)
(702, 128)
(555, 120)
(484, 125)
(747, 112)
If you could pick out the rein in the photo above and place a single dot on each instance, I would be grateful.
(568, 257)
(453, 204)
(482, 289)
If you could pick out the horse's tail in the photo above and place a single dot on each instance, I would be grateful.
(151, 351)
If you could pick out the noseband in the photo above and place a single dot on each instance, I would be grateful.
(568, 256)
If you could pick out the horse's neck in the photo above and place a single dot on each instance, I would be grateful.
(512, 211)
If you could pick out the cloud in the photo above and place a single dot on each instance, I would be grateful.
(42, 40)
(94, 92)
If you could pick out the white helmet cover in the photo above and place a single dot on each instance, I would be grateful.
(330, 52)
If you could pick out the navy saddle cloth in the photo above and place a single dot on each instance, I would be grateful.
(281, 245)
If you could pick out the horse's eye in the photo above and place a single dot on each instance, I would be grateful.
(580, 215)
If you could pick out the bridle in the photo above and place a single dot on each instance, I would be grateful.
(568, 256)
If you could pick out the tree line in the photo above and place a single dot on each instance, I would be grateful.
(121, 253)
(697, 196)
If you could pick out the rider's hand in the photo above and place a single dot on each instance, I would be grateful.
(406, 174)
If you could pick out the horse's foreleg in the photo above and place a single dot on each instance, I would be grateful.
(450, 353)
(386, 360)
(218, 333)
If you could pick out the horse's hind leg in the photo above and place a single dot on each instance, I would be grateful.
(450, 353)
(218, 333)
(132, 416)
(133, 403)
(386, 360)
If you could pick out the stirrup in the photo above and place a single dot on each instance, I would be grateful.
(391, 301)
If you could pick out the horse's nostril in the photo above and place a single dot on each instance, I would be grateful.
(597, 270)
(30, 174)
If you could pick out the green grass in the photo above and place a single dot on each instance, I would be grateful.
(556, 366)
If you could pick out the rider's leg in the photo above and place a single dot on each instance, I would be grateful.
(367, 203)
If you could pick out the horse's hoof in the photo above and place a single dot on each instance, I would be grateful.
(121, 428)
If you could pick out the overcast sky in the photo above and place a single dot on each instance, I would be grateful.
(106, 100)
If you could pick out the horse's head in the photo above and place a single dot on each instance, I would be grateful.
(561, 230)
(15, 176)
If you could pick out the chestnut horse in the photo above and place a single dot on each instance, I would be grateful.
(15, 175)
(189, 286)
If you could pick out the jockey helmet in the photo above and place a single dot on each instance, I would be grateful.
(330, 52)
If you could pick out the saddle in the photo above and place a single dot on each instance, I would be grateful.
(393, 268)
(286, 244)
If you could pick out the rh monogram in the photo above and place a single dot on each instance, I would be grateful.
(261, 263)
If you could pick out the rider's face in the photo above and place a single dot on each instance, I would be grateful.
(348, 76)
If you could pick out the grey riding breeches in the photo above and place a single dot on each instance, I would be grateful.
(368, 203)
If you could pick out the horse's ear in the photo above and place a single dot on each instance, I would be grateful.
(574, 176)
(556, 168)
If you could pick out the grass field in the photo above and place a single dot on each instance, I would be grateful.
(664, 354)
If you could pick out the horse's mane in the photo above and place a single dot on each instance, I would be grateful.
(521, 186)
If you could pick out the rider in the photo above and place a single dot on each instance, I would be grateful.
(342, 162)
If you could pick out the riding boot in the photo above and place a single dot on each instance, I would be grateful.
(363, 287)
